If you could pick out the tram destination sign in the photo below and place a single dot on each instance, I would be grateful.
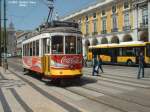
(63, 24)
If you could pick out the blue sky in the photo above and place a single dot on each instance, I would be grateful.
(28, 16)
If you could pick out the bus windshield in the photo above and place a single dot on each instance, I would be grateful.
(148, 50)
(70, 43)
(57, 45)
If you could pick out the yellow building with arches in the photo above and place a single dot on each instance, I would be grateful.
(112, 21)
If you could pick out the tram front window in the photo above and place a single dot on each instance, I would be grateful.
(70, 45)
(57, 45)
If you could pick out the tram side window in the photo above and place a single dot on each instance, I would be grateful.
(25, 50)
(28, 49)
(57, 44)
(37, 48)
(33, 48)
(46, 45)
(79, 45)
(70, 45)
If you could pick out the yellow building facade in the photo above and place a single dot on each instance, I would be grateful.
(110, 21)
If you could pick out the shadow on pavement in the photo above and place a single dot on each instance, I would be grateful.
(80, 81)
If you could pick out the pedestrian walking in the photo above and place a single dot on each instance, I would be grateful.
(95, 65)
(141, 65)
(100, 65)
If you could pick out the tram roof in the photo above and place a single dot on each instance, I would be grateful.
(51, 32)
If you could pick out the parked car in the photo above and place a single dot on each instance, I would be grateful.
(8, 55)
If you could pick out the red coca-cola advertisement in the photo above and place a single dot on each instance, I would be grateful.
(67, 61)
(32, 63)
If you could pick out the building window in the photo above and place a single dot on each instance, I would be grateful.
(126, 19)
(114, 9)
(114, 21)
(87, 27)
(103, 12)
(86, 18)
(94, 15)
(126, 5)
(104, 24)
(80, 24)
(145, 16)
(95, 25)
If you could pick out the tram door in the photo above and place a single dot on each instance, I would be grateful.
(46, 55)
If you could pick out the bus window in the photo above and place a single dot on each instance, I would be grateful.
(104, 51)
(37, 47)
(70, 43)
(129, 51)
(148, 50)
(120, 51)
(57, 45)
(79, 45)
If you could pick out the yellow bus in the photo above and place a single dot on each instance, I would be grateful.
(123, 53)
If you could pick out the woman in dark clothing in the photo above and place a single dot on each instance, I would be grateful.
(100, 64)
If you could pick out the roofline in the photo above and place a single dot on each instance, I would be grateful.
(84, 10)
(22, 34)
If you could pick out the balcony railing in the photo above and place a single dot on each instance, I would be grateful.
(127, 28)
(114, 30)
(103, 31)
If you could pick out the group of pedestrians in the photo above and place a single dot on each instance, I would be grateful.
(97, 64)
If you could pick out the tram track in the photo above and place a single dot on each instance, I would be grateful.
(123, 82)
(113, 98)
(46, 94)
(123, 97)
(112, 81)
(108, 95)
(95, 100)
(61, 103)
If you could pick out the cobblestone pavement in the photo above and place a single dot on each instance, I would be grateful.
(115, 90)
